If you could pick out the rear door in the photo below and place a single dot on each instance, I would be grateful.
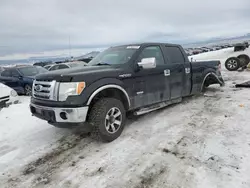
(6, 78)
(17, 78)
(150, 85)
(180, 72)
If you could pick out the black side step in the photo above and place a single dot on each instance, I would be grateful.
(156, 106)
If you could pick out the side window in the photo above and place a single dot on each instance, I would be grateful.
(6, 73)
(15, 73)
(63, 66)
(152, 51)
(55, 67)
(175, 54)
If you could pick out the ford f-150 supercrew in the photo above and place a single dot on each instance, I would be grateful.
(135, 78)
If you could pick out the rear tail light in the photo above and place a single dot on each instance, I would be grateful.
(219, 67)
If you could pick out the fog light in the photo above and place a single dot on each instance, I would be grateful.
(63, 115)
(13, 93)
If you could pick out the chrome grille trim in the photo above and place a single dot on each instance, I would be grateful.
(48, 90)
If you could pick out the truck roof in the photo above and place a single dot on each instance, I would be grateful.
(147, 43)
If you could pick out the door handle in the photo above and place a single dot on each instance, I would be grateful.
(187, 70)
(167, 72)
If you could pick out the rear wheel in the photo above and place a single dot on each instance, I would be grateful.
(107, 117)
(232, 64)
(27, 90)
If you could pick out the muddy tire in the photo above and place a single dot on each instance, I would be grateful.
(107, 118)
(27, 90)
(232, 64)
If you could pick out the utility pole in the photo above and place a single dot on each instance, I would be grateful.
(69, 48)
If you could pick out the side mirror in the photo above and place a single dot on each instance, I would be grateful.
(147, 63)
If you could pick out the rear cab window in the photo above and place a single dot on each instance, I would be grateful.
(175, 54)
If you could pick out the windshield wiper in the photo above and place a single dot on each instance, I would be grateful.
(101, 63)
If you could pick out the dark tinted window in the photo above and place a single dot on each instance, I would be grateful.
(175, 55)
(6, 73)
(14, 73)
(77, 64)
(32, 70)
(152, 51)
(62, 66)
(55, 67)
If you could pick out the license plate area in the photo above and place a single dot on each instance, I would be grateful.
(48, 115)
(39, 111)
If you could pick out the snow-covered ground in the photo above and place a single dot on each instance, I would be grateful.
(204, 142)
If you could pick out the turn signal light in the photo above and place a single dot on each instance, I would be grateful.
(80, 87)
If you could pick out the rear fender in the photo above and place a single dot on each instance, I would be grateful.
(216, 77)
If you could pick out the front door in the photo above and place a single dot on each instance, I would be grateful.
(151, 85)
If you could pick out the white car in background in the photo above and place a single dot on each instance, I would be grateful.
(7, 96)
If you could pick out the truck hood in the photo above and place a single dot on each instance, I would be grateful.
(79, 74)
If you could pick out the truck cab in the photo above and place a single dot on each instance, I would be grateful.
(134, 78)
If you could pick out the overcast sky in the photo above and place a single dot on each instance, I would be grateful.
(38, 25)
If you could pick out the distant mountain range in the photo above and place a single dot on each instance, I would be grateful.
(219, 40)
(212, 41)
(32, 60)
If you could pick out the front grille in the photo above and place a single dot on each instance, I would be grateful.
(47, 90)
(3, 100)
(5, 97)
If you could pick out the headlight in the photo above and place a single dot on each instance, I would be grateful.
(70, 88)
(13, 93)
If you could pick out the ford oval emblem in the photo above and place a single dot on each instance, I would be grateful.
(38, 88)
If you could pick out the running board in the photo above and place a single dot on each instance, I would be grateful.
(156, 106)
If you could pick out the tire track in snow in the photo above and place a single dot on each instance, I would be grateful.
(42, 169)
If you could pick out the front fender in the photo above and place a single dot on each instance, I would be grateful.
(89, 90)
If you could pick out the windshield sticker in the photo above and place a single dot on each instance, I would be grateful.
(133, 47)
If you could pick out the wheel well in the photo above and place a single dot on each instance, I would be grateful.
(111, 93)
(209, 79)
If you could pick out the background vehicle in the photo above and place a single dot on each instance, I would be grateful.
(241, 46)
(49, 66)
(1, 69)
(21, 78)
(197, 51)
(43, 63)
(67, 65)
(205, 49)
(238, 59)
(135, 78)
(7, 96)
(234, 63)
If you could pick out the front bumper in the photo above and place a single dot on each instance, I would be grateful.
(60, 115)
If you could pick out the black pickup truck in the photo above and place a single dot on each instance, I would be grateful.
(135, 78)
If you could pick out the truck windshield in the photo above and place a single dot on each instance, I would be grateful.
(114, 56)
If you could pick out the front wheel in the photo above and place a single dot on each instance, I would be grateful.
(107, 117)
(27, 90)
